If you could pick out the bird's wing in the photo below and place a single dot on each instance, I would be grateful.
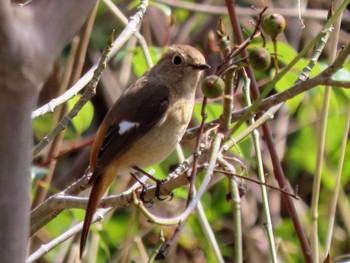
(135, 113)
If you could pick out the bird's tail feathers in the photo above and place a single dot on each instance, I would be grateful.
(98, 189)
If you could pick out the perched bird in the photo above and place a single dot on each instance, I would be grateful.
(144, 125)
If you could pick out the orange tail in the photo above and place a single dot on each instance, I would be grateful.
(99, 187)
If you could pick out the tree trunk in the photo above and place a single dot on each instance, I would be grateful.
(31, 38)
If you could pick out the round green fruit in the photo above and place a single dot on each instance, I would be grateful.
(213, 86)
(273, 24)
(259, 58)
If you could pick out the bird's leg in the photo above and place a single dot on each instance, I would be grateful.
(143, 190)
(158, 182)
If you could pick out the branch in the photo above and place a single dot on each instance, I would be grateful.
(128, 31)
(318, 14)
(89, 92)
(323, 79)
(46, 248)
(48, 210)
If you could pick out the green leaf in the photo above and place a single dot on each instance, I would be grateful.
(84, 118)
(139, 63)
(42, 125)
(181, 15)
(342, 75)
(213, 111)
(302, 154)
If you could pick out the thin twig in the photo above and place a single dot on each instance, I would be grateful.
(72, 74)
(208, 232)
(318, 14)
(43, 186)
(321, 144)
(257, 182)
(197, 149)
(261, 175)
(278, 171)
(88, 94)
(225, 122)
(334, 202)
(128, 31)
(47, 211)
(115, 10)
(287, 68)
(207, 177)
(46, 248)
(236, 203)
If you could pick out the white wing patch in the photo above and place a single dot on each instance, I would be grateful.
(125, 126)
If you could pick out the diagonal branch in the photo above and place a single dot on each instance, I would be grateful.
(128, 31)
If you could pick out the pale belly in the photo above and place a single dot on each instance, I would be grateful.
(155, 146)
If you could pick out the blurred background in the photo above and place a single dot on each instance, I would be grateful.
(126, 235)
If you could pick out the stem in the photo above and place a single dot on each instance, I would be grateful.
(337, 183)
(261, 175)
(275, 58)
(196, 153)
(321, 147)
(236, 203)
(277, 168)
(286, 69)
(208, 232)
(236, 200)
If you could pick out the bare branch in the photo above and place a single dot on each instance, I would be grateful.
(55, 204)
(129, 30)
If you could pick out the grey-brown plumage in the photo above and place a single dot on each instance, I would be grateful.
(144, 125)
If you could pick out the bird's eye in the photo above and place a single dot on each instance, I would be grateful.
(177, 60)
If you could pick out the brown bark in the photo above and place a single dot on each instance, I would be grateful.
(31, 38)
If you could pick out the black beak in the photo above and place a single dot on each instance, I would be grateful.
(200, 66)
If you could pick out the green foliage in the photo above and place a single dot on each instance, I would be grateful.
(213, 111)
(299, 160)
(289, 242)
(285, 54)
(83, 120)
(306, 138)
(44, 124)
(139, 63)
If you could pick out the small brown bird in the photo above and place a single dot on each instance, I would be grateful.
(144, 125)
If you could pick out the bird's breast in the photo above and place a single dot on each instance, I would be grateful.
(161, 140)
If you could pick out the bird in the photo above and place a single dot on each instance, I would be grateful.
(145, 123)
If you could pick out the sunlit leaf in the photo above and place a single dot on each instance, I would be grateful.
(83, 120)
(42, 125)
(212, 110)
(139, 63)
